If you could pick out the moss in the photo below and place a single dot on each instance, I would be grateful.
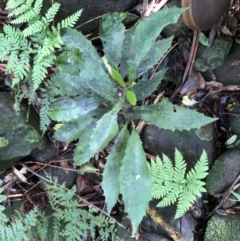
(214, 177)
(223, 172)
(223, 228)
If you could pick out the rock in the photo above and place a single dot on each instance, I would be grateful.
(23, 139)
(190, 143)
(223, 228)
(234, 121)
(91, 10)
(209, 58)
(66, 177)
(229, 72)
(46, 154)
(223, 172)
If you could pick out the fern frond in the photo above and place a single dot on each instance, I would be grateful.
(25, 17)
(11, 4)
(168, 172)
(34, 28)
(185, 201)
(171, 195)
(180, 167)
(20, 9)
(70, 21)
(52, 11)
(169, 182)
(200, 170)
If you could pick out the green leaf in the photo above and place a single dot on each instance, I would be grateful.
(71, 131)
(111, 183)
(82, 152)
(145, 87)
(71, 109)
(135, 180)
(231, 140)
(106, 129)
(131, 97)
(156, 52)
(117, 76)
(203, 39)
(146, 33)
(236, 195)
(112, 36)
(168, 116)
(125, 51)
(92, 74)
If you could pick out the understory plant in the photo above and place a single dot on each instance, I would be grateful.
(98, 95)
(29, 52)
(63, 220)
(99, 103)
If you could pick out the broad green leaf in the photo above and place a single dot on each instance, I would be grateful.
(82, 152)
(111, 183)
(168, 116)
(112, 36)
(146, 33)
(125, 51)
(145, 87)
(106, 129)
(156, 52)
(92, 73)
(131, 97)
(135, 180)
(72, 130)
(72, 108)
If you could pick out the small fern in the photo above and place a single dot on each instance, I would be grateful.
(171, 184)
(62, 220)
(38, 39)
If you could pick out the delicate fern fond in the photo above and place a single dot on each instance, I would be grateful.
(62, 220)
(38, 39)
(171, 185)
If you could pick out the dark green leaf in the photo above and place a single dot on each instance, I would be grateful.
(146, 33)
(145, 87)
(131, 97)
(92, 72)
(125, 51)
(71, 109)
(106, 129)
(112, 36)
(72, 130)
(154, 55)
(135, 181)
(82, 153)
(111, 181)
(168, 116)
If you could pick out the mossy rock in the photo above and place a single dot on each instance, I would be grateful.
(223, 172)
(209, 58)
(223, 228)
